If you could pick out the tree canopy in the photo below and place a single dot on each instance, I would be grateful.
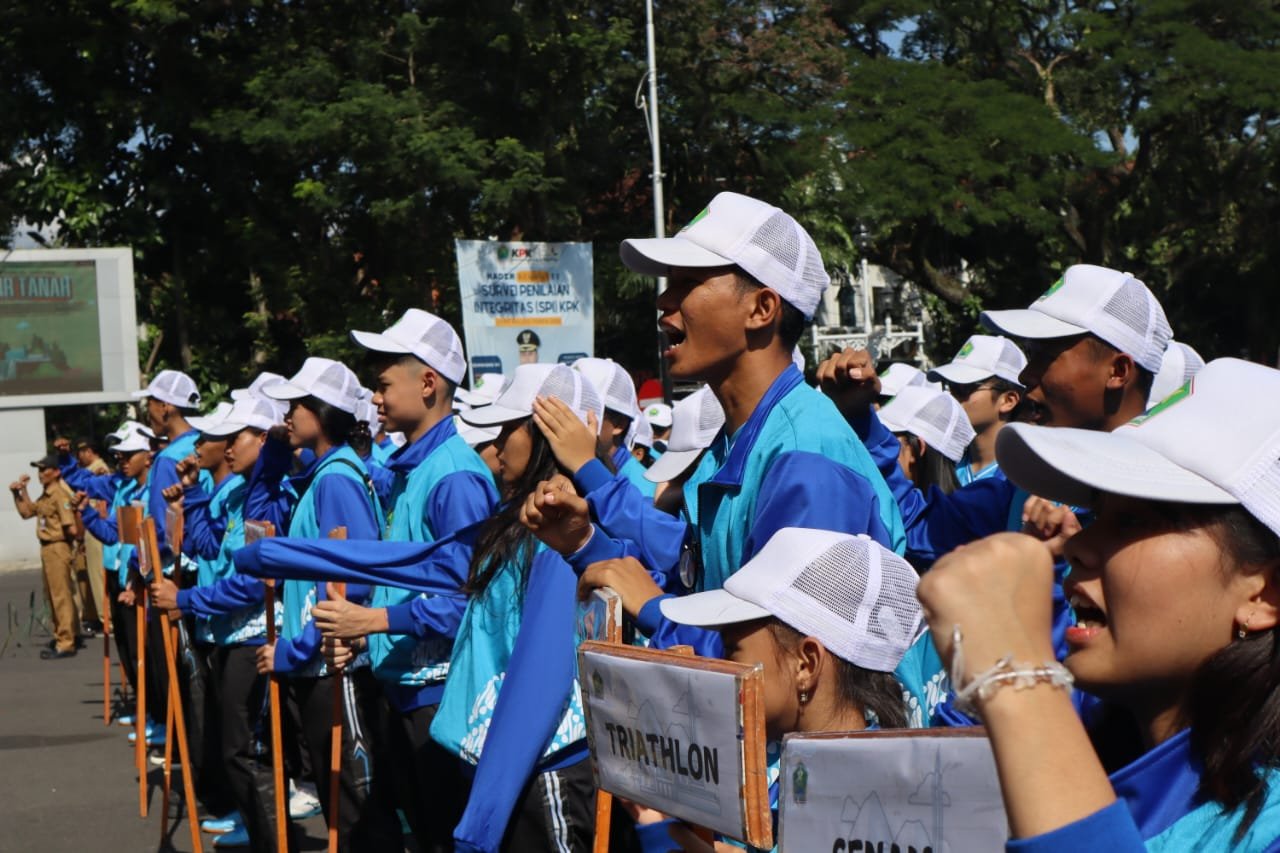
(286, 171)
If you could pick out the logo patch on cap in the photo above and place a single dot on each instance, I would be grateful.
(1176, 397)
(698, 218)
(965, 350)
(1053, 288)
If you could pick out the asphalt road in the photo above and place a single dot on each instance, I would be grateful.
(67, 782)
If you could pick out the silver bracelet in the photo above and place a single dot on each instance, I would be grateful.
(1006, 671)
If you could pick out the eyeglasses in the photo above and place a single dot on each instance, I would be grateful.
(964, 392)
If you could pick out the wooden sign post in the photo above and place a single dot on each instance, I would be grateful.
(680, 734)
(914, 790)
(149, 555)
(174, 520)
(600, 619)
(335, 731)
(128, 522)
(253, 531)
(107, 603)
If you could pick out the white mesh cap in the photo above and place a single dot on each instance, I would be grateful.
(738, 230)
(367, 412)
(695, 422)
(475, 436)
(982, 357)
(1215, 440)
(255, 390)
(898, 376)
(611, 380)
(173, 387)
(1112, 305)
(932, 415)
(854, 596)
(264, 378)
(483, 391)
(323, 378)
(658, 415)
(424, 335)
(531, 381)
(125, 430)
(1180, 363)
(204, 423)
(253, 412)
(130, 437)
(641, 433)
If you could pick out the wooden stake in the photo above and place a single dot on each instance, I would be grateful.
(255, 530)
(335, 731)
(171, 703)
(107, 604)
(175, 718)
(128, 521)
(604, 800)
(140, 712)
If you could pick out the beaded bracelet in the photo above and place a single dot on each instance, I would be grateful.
(984, 685)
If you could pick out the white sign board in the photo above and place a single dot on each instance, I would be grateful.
(525, 303)
(917, 791)
(68, 330)
(667, 731)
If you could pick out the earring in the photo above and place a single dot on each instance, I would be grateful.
(804, 697)
(1244, 629)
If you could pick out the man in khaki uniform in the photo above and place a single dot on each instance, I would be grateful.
(89, 589)
(56, 528)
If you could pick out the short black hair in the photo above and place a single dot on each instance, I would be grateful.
(792, 324)
(382, 360)
(336, 424)
(1102, 349)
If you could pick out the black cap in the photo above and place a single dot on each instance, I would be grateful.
(50, 461)
(528, 339)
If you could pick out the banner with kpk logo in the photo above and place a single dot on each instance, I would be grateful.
(525, 303)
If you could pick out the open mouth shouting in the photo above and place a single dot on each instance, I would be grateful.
(1090, 620)
(673, 338)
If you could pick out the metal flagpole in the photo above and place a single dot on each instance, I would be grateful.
(655, 148)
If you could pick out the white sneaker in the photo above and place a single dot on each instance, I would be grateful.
(303, 802)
